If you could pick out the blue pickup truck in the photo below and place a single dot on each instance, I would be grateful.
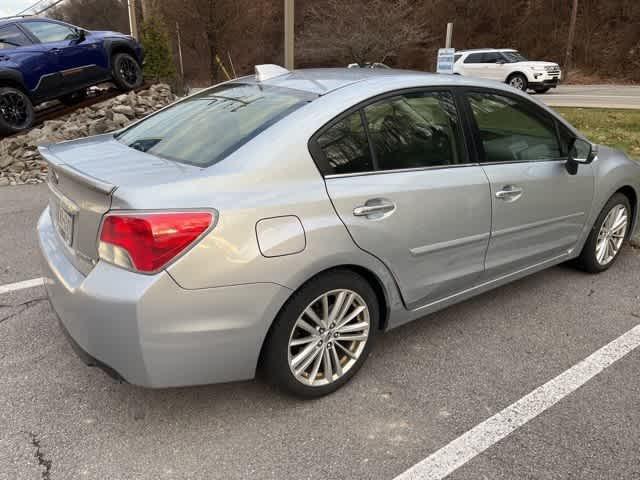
(43, 59)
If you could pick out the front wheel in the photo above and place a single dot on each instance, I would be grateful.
(16, 111)
(519, 81)
(126, 71)
(607, 235)
(323, 334)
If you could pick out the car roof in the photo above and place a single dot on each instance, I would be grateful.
(322, 81)
(483, 50)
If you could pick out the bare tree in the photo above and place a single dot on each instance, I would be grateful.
(371, 31)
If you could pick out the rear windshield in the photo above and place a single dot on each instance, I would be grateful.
(208, 126)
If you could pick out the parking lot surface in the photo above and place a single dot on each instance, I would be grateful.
(601, 96)
(425, 385)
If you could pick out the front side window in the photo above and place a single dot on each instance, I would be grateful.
(208, 126)
(491, 57)
(415, 130)
(48, 32)
(514, 57)
(12, 37)
(511, 131)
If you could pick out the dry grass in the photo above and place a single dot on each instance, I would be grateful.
(615, 128)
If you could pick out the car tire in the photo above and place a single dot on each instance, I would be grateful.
(126, 71)
(16, 111)
(518, 80)
(542, 90)
(281, 357)
(593, 258)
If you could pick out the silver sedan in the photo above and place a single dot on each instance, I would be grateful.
(282, 221)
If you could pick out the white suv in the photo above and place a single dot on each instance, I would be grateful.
(508, 66)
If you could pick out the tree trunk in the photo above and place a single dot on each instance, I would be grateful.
(572, 32)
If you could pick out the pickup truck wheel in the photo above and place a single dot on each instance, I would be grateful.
(16, 111)
(519, 81)
(126, 71)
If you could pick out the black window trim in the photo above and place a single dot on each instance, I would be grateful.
(530, 107)
(320, 159)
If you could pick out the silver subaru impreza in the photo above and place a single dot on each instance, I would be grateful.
(282, 221)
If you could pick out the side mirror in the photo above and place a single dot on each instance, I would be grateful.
(580, 151)
(81, 35)
(500, 62)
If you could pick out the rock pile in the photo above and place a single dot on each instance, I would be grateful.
(20, 162)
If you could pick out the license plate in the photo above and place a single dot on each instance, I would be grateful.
(64, 222)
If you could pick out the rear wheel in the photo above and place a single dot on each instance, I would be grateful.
(323, 334)
(519, 81)
(126, 71)
(16, 111)
(607, 235)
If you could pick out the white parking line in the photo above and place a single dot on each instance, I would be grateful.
(12, 287)
(484, 435)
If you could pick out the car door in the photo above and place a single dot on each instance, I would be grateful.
(494, 66)
(30, 59)
(74, 60)
(473, 65)
(399, 177)
(539, 209)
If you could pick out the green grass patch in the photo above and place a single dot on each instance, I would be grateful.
(615, 128)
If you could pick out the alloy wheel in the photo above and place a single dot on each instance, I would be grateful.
(517, 82)
(328, 337)
(611, 235)
(14, 109)
(128, 71)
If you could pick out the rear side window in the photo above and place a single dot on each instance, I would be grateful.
(511, 130)
(345, 147)
(415, 130)
(457, 57)
(47, 32)
(12, 37)
(474, 58)
(208, 126)
(411, 130)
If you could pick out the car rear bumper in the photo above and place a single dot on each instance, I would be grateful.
(150, 331)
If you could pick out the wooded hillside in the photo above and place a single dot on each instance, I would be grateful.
(403, 33)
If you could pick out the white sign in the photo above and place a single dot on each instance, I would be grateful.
(445, 60)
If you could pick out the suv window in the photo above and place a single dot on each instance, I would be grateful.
(208, 126)
(11, 37)
(491, 57)
(511, 130)
(474, 58)
(47, 32)
(415, 130)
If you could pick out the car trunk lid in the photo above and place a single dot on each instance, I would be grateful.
(83, 178)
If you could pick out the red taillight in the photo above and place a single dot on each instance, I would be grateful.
(148, 241)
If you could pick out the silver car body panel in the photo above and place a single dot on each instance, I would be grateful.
(191, 323)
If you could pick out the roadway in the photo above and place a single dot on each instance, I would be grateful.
(602, 96)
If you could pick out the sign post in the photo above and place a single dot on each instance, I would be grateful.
(445, 60)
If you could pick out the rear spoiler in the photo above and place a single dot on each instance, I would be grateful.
(58, 165)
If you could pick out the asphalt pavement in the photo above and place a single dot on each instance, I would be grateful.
(601, 96)
(425, 385)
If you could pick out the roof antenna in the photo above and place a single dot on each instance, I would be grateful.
(268, 71)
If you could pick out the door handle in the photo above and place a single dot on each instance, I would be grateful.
(371, 208)
(509, 193)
